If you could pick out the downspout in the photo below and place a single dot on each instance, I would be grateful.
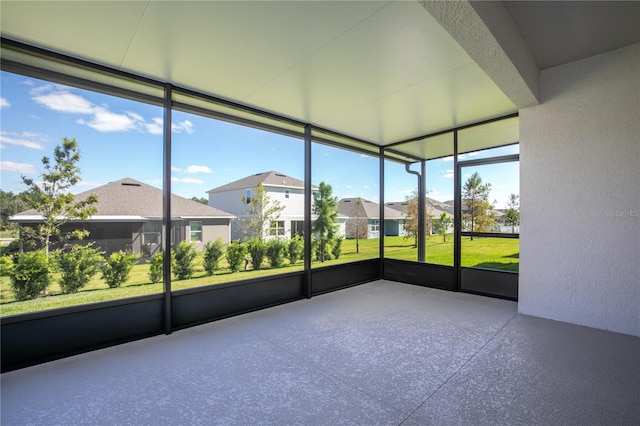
(421, 209)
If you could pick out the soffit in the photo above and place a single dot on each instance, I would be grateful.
(558, 32)
(378, 71)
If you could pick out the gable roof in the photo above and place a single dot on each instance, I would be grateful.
(271, 178)
(131, 199)
(436, 207)
(350, 207)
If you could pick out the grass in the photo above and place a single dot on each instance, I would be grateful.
(491, 253)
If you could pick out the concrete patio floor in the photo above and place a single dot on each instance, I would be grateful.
(379, 353)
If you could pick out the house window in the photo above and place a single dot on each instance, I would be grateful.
(247, 197)
(286, 193)
(374, 225)
(276, 228)
(150, 233)
(195, 231)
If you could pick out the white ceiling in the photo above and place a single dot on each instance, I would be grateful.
(379, 71)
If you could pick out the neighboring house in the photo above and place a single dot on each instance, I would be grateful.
(234, 197)
(434, 209)
(129, 217)
(352, 211)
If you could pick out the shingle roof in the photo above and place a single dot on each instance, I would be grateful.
(129, 197)
(434, 207)
(271, 178)
(351, 208)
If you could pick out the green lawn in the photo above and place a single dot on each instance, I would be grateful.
(489, 253)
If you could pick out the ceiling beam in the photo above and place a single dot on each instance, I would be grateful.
(487, 33)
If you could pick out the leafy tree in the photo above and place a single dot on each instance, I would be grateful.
(411, 218)
(276, 248)
(295, 249)
(116, 269)
(10, 204)
(357, 224)
(30, 275)
(236, 252)
(325, 226)
(53, 199)
(444, 221)
(201, 200)
(183, 261)
(77, 266)
(477, 211)
(257, 251)
(213, 252)
(261, 211)
(512, 215)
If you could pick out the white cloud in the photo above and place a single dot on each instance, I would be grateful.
(450, 158)
(4, 103)
(107, 121)
(133, 115)
(186, 180)
(24, 168)
(176, 169)
(198, 169)
(185, 125)
(155, 127)
(101, 118)
(64, 101)
(448, 173)
(21, 140)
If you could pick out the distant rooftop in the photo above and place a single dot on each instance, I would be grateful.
(271, 178)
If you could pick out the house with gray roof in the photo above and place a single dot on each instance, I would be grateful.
(434, 208)
(235, 197)
(355, 213)
(129, 217)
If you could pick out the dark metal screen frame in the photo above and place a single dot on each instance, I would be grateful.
(286, 287)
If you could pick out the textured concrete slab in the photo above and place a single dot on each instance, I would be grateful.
(382, 353)
(537, 371)
(396, 342)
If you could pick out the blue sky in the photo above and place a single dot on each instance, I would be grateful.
(121, 138)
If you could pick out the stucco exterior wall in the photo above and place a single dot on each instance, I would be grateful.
(580, 194)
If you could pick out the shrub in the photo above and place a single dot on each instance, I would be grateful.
(213, 252)
(295, 249)
(115, 271)
(156, 268)
(317, 250)
(183, 262)
(30, 275)
(336, 247)
(257, 251)
(77, 266)
(276, 248)
(6, 265)
(236, 251)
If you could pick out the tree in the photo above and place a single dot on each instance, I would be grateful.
(325, 208)
(201, 200)
(53, 199)
(477, 212)
(411, 218)
(444, 221)
(10, 204)
(357, 224)
(262, 210)
(512, 215)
